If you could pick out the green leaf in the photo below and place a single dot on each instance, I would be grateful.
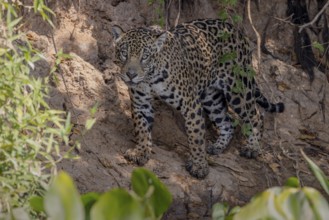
(93, 110)
(117, 205)
(89, 123)
(233, 212)
(318, 46)
(88, 200)
(62, 201)
(219, 211)
(36, 5)
(227, 57)
(235, 123)
(292, 182)
(287, 204)
(68, 125)
(246, 129)
(142, 180)
(224, 35)
(318, 173)
(3, 51)
(13, 23)
(150, 1)
(36, 203)
(258, 203)
(230, 2)
(317, 203)
(237, 18)
(223, 15)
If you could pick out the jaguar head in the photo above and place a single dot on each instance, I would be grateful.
(134, 51)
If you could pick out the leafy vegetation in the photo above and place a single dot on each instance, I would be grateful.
(31, 133)
(159, 11)
(290, 202)
(228, 12)
(149, 199)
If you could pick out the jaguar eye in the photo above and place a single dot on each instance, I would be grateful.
(145, 56)
(123, 55)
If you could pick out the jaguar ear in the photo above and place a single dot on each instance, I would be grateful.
(160, 41)
(117, 32)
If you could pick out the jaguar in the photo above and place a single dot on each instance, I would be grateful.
(201, 67)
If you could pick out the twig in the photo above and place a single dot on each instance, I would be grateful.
(257, 34)
(285, 20)
(314, 19)
(75, 115)
(60, 69)
(167, 13)
(63, 78)
(76, 22)
(323, 105)
(258, 47)
(178, 15)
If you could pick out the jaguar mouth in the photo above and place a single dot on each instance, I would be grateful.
(130, 83)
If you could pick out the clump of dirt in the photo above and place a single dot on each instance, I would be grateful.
(83, 29)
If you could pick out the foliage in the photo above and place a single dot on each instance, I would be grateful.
(59, 58)
(30, 132)
(291, 202)
(148, 200)
(40, 7)
(228, 12)
(240, 74)
(159, 11)
(318, 173)
(318, 46)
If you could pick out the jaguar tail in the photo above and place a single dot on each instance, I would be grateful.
(268, 106)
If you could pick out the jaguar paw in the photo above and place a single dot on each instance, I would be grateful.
(198, 170)
(214, 150)
(140, 157)
(249, 153)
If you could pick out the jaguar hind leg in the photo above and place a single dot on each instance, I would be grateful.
(252, 124)
(215, 107)
(252, 128)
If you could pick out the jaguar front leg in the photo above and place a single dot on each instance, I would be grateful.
(197, 164)
(142, 115)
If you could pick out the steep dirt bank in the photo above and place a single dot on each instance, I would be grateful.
(83, 29)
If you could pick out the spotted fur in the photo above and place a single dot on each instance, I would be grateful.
(199, 67)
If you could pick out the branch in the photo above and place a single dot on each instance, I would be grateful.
(167, 13)
(314, 19)
(256, 32)
(258, 44)
(178, 15)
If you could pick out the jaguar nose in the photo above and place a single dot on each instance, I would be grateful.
(131, 74)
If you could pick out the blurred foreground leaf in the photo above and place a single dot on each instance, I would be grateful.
(117, 204)
(62, 201)
(146, 184)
